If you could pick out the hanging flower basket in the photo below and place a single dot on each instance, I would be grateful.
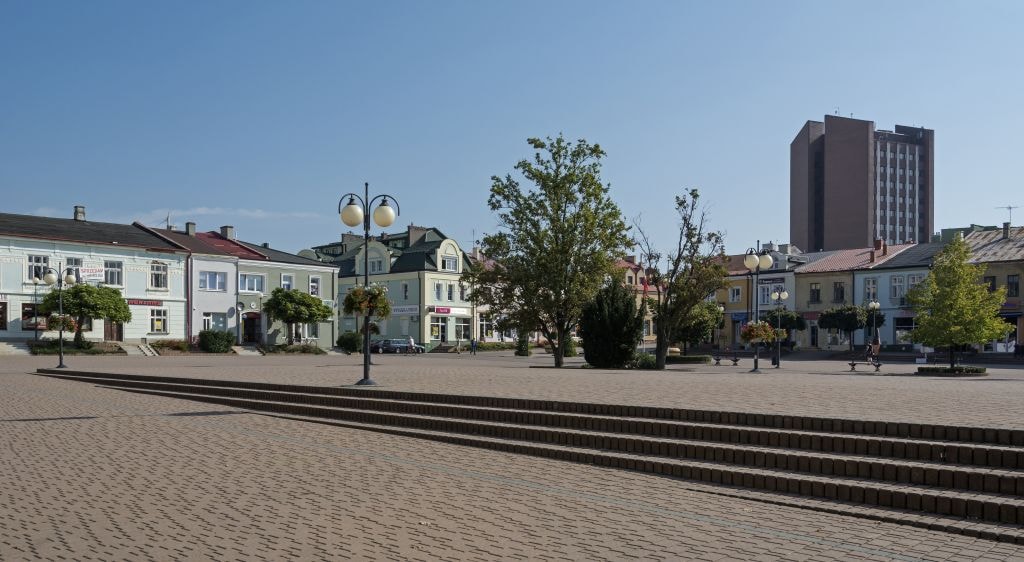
(756, 332)
(372, 300)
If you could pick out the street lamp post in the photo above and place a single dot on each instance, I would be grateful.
(779, 297)
(352, 214)
(874, 307)
(35, 306)
(718, 349)
(755, 261)
(61, 277)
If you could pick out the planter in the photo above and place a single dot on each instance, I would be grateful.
(952, 372)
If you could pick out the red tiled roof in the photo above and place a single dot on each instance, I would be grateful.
(229, 247)
(857, 258)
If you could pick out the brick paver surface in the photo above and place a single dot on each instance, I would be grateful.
(97, 474)
(813, 388)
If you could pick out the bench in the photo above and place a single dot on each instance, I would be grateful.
(876, 364)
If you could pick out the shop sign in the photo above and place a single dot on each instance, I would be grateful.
(90, 273)
(405, 310)
(145, 302)
(442, 310)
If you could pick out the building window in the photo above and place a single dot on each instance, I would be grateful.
(1013, 285)
(37, 267)
(914, 281)
(113, 273)
(449, 263)
(870, 289)
(288, 281)
(207, 320)
(158, 275)
(629, 279)
(314, 286)
(250, 283)
(486, 329)
(30, 320)
(213, 281)
(313, 331)
(451, 292)
(462, 291)
(437, 326)
(405, 291)
(438, 289)
(815, 292)
(839, 291)
(158, 320)
(990, 280)
(897, 288)
(735, 294)
(462, 329)
(764, 294)
(75, 265)
(376, 265)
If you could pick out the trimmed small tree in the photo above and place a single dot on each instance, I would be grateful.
(698, 325)
(611, 327)
(954, 307)
(847, 319)
(83, 302)
(292, 307)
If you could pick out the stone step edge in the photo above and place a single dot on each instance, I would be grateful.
(899, 471)
(986, 530)
(950, 433)
(978, 506)
(910, 462)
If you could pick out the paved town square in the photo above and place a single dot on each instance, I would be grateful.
(99, 474)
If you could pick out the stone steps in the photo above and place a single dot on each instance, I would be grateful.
(14, 348)
(970, 474)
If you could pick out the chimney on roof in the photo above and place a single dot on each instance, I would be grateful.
(228, 232)
(190, 228)
(1006, 230)
(871, 258)
(80, 212)
(885, 248)
(265, 244)
(879, 243)
(630, 259)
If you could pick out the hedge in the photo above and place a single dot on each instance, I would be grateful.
(705, 359)
(494, 346)
(960, 370)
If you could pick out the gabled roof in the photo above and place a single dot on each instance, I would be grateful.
(848, 260)
(990, 246)
(917, 256)
(81, 231)
(270, 254)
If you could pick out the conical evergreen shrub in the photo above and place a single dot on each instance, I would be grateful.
(611, 327)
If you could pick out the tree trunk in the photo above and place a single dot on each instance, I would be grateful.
(291, 334)
(660, 350)
(952, 356)
(79, 338)
(558, 347)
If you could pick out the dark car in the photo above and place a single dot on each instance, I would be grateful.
(394, 346)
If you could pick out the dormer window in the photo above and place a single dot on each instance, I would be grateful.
(449, 263)
(376, 265)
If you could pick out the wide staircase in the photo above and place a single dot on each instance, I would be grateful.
(14, 348)
(959, 479)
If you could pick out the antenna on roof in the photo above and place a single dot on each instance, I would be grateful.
(1009, 209)
(168, 220)
(837, 110)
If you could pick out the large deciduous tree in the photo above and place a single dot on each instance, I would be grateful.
(83, 302)
(954, 307)
(695, 270)
(611, 327)
(557, 241)
(293, 307)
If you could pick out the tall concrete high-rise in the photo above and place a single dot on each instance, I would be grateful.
(850, 184)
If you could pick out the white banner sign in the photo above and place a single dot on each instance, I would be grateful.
(405, 310)
(91, 273)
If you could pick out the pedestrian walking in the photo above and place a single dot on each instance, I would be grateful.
(472, 346)
(410, 346)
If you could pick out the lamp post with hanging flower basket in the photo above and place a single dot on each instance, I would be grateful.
(755, 333)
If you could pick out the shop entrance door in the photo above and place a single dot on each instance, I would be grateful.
(113, 331)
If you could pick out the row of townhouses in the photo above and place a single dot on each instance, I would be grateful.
(176, 283)
(818, 281)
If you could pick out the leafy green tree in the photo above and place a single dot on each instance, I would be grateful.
(557, 243)
(83, 302)
(695, 270)
(611, 327)
(848, 319)
(954, 307)
(292, 307)
(699, 325)
(786, 319)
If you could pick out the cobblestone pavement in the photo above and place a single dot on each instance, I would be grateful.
(97, 474)
(813, 388)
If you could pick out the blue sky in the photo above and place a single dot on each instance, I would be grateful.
(262, 114)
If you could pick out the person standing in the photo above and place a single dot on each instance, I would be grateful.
(472, 346)
(410, 346)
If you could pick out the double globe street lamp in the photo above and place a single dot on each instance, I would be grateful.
(779, 297)
(755, 261)
(61, 276)
(356, 211)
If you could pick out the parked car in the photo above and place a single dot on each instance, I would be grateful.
(394, 346)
